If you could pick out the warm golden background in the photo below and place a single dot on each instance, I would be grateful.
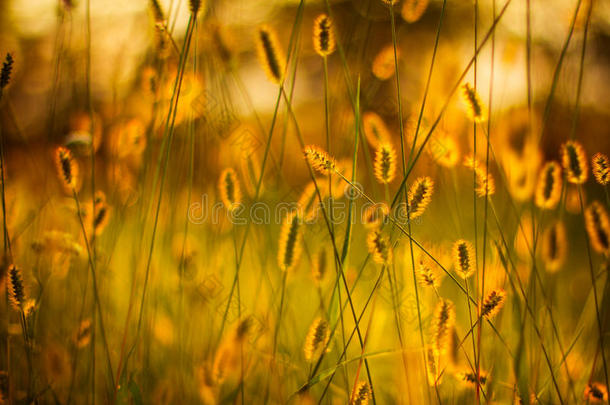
(155, 275)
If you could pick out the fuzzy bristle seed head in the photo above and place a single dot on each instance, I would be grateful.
(554, 246)
(419, 196)
(601, 168)
(319, 159)
(385, 163)
(596, 393)
(379, 247)
(442, 325)
(362, 394)
(318, 268)
(229, 189)
(574, 162)
(317, 339)
(323, 35)
(598, 227)
(7, 68)
(16, 289)
(548, 189)
(412, 10)
(67, 168)
(384, 65)
(463, 258)
(426, 277)
(270, 55)
(194, 6)
(474, 106)
(375, 130)
(157, 12)
(375, 215)
(290, 242)
(492, 303)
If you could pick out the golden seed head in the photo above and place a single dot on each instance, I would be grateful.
(463, 258)
(318, 268)
(375, 129)
(470, 378)
(601, 168)
(194, 6)
(290, 242)
(419, 196)
(228, 187)
(432, 369)
(412, 10)
(323, 35)
(485, 184)
(492, 303)
(7, 68)
(426, 277)
(67, 169)
(375, 215)
(379, 247)
(319, 159)
(384, 65)
(554, 246)
(596, 393)
(83, 334)
(442, 325)
(362, 394)
(598, 227)
(16, 289)
(270, 54)
(317, 339)
(385, 163)
(475, 108)
(574, 162)
(548, 189)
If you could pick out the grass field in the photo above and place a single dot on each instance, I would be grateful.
(290, 202)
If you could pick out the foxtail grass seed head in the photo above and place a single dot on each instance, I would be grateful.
(318, 268)
(16, 289)
(323, 35)
(385, 163)
(67, 168)
(554, 246)
(82, 337)
(270, 54)
(492, 303)
(469, 378)
(7, 68)
(362, 395)
(375, 130)
(228, 187)
(596, 393)
(601, 168)
(194, 6)
(412, 10)
(379, 247)
(290, 242)
(157, 12)
(101, 212)
(317, 339)
(375, 215)
(485, 185)
(384, 66)
(432, 368)
(548, 189)
(419, 196)
(319, 159)
(442, 325)
(474, 106)
(574, 162)
(426, 277)
(463, 258)
(598, 227)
